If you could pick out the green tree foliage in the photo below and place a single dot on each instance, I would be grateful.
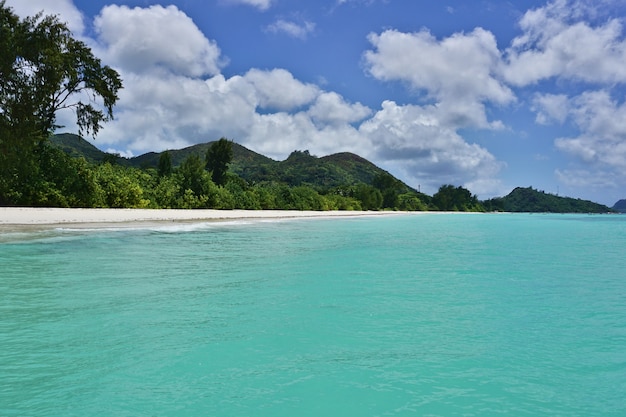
(533, 201)
(369, 196)
(165, 164)
(390, 188)
(451, 198)
(43, 69)
(411, 202)
(68, 182)
(193, 177)
(218, 157)
(122, 187)
(166, 192)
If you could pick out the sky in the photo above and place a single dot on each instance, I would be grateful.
(489, 95)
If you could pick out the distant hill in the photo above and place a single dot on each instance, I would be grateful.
(300, 168)
(529, 200)
(620, 206)
(76, 146)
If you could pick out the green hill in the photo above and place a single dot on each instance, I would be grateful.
(300, 168)
(529, 200)
(76, 146)
(620, 206)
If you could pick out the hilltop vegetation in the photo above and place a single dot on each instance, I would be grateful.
(529, 200)
(300, 168)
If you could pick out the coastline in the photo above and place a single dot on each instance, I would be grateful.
(12, 218)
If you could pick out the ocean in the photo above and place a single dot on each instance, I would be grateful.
(408, 315)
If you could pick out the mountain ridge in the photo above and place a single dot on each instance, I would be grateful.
(328, 172)
(299, 168)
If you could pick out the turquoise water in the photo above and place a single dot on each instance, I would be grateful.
(429, 315)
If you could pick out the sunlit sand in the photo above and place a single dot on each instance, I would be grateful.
(28, 216)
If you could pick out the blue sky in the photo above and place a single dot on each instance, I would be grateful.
(489, 95)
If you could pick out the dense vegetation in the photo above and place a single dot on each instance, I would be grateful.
(72, 174)
(534, 201)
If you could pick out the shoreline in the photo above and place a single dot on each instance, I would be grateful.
(14, 218)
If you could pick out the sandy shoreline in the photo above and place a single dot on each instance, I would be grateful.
(12, 217)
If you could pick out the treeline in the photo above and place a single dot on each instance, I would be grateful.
(55, 179)
(50, 177)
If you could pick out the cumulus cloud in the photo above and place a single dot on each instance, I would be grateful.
(64, 9)
(460, 67)
(279, 90)
(331, 108)
(413, 138)
(550, 107)
(557, 42)
(300, 30)
(278, 134)
(602, 123)
(141, 40)
(460, 76)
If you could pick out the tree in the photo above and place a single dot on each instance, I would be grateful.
(451, 198)
(218, 157)
(390, 188)
(43, 69)
(369, 196)
(193, 176)
(165, 164)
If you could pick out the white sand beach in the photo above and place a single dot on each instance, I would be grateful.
(29, 216)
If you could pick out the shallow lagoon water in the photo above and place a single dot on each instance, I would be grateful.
(433, 315)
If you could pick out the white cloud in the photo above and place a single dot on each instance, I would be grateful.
(64, 9)
(260, 4)
(158, 38)
(460, 67)
(602, 123)
(557, 42)
(412, 137)
(278, 134)
(331, 108)
(460, 75)
(294, 29)
(278, 89)
(157, 112)
(550, 107)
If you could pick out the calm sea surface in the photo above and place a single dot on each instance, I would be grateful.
(417, 315)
